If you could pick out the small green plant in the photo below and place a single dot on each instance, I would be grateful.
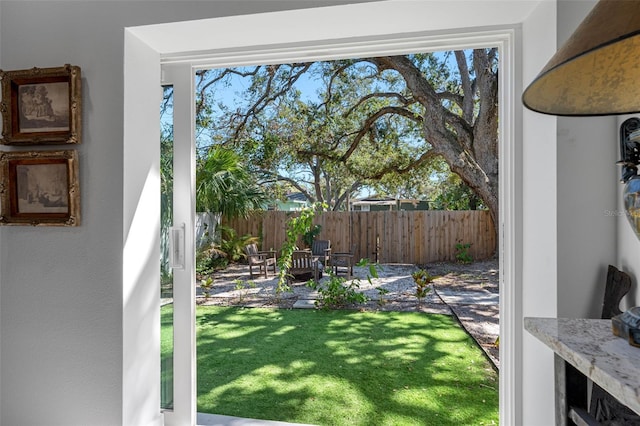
(206, 285)
(381, 293)
(423, 280)
(243, 287)
(462, 253)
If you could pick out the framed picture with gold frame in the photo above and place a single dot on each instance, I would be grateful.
(39, 188)
(41, 106)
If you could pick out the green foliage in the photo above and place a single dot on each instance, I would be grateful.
(381, 293)
(451, 193)
(462, 253)
(206, 285)
(243, 288)
(309, 236)
(296, 227)
(210, 259)
(333, 293)
(373, 268)
(224, 185)
(232, 245)
(423, 280)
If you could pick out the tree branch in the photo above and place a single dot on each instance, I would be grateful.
(368, 123)
(403, 100)
(267, 96)
(467, 88)
(295, 183)
(426, 156)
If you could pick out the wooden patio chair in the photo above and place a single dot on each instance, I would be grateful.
(321, 250)
(262, 259)
(343, 260)
(303, 263)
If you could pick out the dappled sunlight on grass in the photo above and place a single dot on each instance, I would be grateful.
(342, 368)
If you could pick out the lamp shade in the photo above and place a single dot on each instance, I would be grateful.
(597, 71)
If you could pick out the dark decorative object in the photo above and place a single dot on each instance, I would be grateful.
(618, 284)
(40, 188)
(41, 106)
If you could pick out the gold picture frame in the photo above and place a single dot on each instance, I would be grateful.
(39, 188)
(41, 106)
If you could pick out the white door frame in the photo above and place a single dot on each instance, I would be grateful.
(504, 40)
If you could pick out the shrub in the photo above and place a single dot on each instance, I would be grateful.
(334, 294)
(210, 259)
(462, 253)
(232, 245)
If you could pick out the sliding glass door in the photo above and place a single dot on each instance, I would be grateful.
(178, 263)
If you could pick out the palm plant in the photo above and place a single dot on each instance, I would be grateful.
(224, 186)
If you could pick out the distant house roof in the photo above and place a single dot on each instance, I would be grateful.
(294, 201)
(390, 202)
(296, 197)
(383, 201)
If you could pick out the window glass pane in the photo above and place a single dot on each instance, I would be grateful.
(166, 274)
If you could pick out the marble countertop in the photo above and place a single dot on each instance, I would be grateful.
(590, 346)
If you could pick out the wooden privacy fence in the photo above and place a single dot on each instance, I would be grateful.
(413, 237)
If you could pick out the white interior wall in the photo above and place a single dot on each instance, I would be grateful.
(586, 233)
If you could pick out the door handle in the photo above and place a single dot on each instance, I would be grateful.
(176, 246)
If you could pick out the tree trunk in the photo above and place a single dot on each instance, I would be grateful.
(470, 148)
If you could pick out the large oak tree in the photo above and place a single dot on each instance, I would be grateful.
(372, 119)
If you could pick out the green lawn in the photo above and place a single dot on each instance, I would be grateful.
(342, 368)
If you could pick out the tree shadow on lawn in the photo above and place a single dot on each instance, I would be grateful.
(342, 368)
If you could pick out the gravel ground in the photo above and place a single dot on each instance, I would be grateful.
(234, 287)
